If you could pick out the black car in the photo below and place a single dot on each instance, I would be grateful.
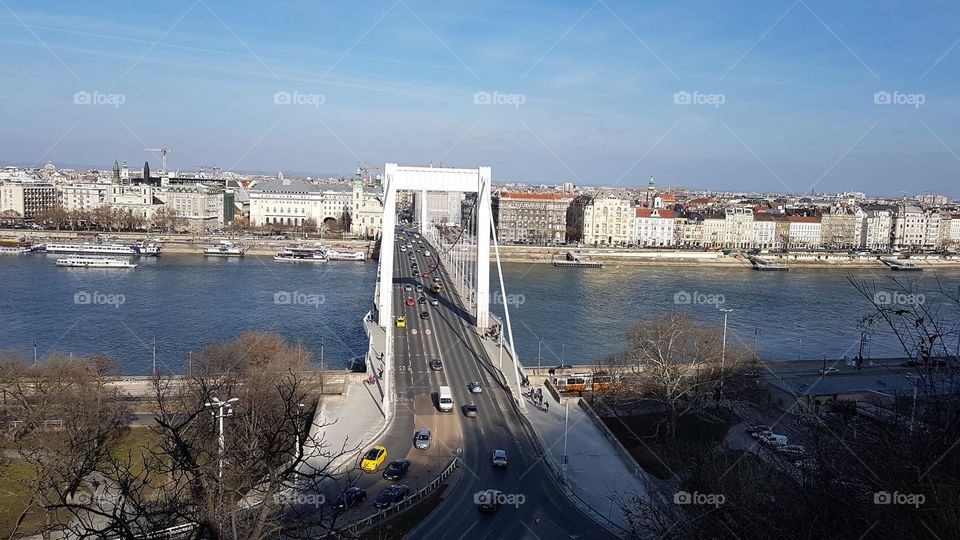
(396, 469)
(393, 494)
(422, 300)
(436, 364)
(470, 411)
(424, 315)
(351, 496)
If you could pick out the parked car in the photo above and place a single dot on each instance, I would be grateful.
(390, 496)
(499, 458)
(350, 497)
(772, 439)
(422, 439)
(396, 469)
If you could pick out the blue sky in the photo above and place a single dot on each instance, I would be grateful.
(775, 96)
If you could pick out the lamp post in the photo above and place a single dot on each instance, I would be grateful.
(219, 414)
(539, 343)
(296, 431)
(723, 352)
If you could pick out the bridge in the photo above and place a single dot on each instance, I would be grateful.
(453, 326)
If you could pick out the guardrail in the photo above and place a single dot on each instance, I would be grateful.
(628, 461)
(366, 523)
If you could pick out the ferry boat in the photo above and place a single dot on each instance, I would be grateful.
(14, 250)
(94, 262)
(224, 249)
(334, 255)
(132, 250)
(301, 254)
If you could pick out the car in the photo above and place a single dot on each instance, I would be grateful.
(436, 279)
(422, 300)
(393, 494)
(772, 439)
(794, 451)
(350, 497)
(475, 387)
(470, 411)
(425, 275)
(373, 458)
(434, 302)
(411, 301)
(436, 364)
(499, 458)
(422, 439)
(396, 469)
(419, 288)
(424, 315)
(403, 248)
(408, 287)
(755, 428)
(488, 500)
(401, 322)
(828, 371)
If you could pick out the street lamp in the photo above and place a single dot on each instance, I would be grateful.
(723, 352)
(219, 414)
(296, 431)
(539, 343)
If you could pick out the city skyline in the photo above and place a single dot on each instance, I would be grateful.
(786, 97)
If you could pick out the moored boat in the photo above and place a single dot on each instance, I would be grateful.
(334, 255)
(301, 254)
(81, 261)
(224, 249)
(133, 250)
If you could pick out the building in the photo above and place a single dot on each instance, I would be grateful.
(714, 231)
(954, 235)
(877, 230)
(603, 221)
(805, 232)
(139, 199)
(84, 197)
(689, 231)
(909, 227)
(366, 216)
(654, 227)
(443, 207)
(765, 231)
(535, 218)
(838, 229)
(200, 205)
(26, 199)
(290, 203)
(738, 229)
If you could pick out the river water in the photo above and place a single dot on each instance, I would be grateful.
(187, 301)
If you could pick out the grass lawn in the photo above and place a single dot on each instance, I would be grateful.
(658, 454)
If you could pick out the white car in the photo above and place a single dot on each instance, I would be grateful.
(828, 371)
(475, 387)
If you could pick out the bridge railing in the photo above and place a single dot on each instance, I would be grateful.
(361, 526)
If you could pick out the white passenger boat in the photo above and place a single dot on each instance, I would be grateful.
(14, 250)
(132, 250)
(224, 249)
(94, 262)
(301, 254)
(334, 255)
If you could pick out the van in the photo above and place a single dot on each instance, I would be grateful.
(445, 399)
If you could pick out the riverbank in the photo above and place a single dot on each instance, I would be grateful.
(195, 244)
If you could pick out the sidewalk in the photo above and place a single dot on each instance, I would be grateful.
(595, 472)
(355, 420)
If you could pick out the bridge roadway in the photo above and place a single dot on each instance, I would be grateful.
(448, 334)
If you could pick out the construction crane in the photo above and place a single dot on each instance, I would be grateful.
(163, 156)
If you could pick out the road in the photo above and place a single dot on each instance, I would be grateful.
(541, 509)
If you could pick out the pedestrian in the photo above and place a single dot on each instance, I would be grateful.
(546, 406)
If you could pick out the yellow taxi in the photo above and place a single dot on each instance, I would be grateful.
(401, 322)
(373, 458)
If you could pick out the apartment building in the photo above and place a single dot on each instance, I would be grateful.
(805, 232)
(26, 199)
(535, 218)
(654, 227)
(603, 221)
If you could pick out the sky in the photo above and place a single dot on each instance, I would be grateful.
(776, 96)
